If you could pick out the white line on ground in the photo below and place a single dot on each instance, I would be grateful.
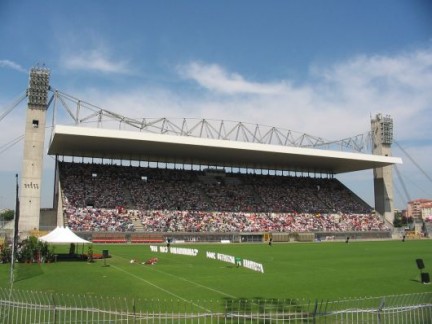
(194, 283)
(186, 280)
(160, 288)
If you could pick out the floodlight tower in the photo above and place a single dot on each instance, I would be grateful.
(382, 137)
(34, 138)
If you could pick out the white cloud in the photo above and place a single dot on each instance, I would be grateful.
(399, 85)
(213, 77)
(335, 102)
(12, 65)
(94, 60)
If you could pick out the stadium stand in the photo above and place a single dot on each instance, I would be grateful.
(112, 198)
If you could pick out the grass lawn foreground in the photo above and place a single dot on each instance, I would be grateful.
(324, 271)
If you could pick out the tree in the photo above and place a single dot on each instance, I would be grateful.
(90, 253)
(397, 222)
(7, 215)
(402, 221)
(33, 250)
(5, 253)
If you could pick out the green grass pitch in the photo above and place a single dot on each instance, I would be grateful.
(324, 271)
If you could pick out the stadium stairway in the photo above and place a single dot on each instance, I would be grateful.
(127, 196)
(137, 225)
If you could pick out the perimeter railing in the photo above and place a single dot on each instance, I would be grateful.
(42, 307)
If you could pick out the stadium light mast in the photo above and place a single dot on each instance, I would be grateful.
(382, 137)
(34, 138)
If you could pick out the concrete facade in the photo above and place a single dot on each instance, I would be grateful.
(34, 138)
(382, 135)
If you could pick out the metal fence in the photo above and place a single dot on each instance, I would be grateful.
(41, 307)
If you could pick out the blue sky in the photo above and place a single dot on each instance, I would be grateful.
(319, 67)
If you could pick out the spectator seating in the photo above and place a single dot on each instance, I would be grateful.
(111, 198)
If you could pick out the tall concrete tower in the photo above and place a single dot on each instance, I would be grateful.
(382, 136)
(34, 138)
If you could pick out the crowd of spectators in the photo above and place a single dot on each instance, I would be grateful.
(98, 219)
(200, 221)
(100, 197)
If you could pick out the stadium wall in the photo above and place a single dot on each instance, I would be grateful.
(48, 219)
(152, 237)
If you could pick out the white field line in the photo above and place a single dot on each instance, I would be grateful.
(160, 288)
(194, 283)
(188, 281)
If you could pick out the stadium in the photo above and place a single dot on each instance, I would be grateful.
(167, 169)
(213, 189)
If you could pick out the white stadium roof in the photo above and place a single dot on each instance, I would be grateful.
(142, 146)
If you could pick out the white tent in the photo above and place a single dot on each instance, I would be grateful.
(62, 235)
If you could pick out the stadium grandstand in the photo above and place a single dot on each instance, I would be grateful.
(115, 198)
(154, 180)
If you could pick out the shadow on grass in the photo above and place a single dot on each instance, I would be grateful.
(25, 271)
(266, 309)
